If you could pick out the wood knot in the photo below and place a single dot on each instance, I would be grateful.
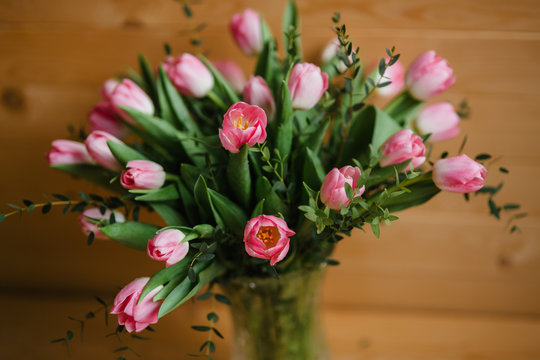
(133, 24)
(13, 99)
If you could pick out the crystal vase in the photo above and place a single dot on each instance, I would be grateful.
(278, 319)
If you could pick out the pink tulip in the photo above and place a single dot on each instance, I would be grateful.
(108, 87)
(243, 124)
(440, 120)
(267, 237)
(129, 94)
(459, 174)
(96, 144)
(232, 73)
(402, 146)
(306, 85)
(257, 92)
(396, 74)
(428, 76)
(132, 314)
(189, 75)
(88, 226)
(103, 117)
(167, 246)
(142, 174)
(333, 192)
(68, 152)
(246, 30)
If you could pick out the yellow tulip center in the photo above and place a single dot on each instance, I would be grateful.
(269, 235)
(240, 123)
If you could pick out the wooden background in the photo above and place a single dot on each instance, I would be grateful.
(446, 282)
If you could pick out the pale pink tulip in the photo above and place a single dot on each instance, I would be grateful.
(103, 117)
(402, 146)
(68, 152)
(267, 237)
(306, 85)
(88, 226)
(243, 124)
(167, 246)
(189, 75)
(142, 174)
(459, 174)
(129, 94)
(132, 314)
(257, 92)
(246, 30)
(96, 144)
(232, 73)
(333, 192)
(440, 120)
(428, 76)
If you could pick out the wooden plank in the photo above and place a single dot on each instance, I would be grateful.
(519, 15)
(352, 333)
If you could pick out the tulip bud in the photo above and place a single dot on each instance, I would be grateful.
(167, 246)
(243, 124)
(128, 94)
(428, 76)
(440, 120)
(232, 73)
(333, 193)
(87, 221)
(402, 146)
(246, 30)
(102, 117)
(108, 87)
(96, 144)
(257, 92)
(306, 85)
(459, 174)
(68, 152)
(267, 237)
(142, 174)
(396, 74)
(135, 315)
(189, 75)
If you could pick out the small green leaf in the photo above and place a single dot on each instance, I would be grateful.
(212, 316)
(201, 328)
(217, 333)
(222, 299)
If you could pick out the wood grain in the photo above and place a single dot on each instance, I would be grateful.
(444, 282)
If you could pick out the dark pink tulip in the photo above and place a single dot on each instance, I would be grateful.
(459, 174)
(243, 124)
(142, 174)
(167, 246)
(132, 314)
(267, 237)
(402, 146)
(333, 192)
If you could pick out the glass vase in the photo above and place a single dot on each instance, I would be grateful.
(278, 319)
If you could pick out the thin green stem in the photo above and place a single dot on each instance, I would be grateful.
(276, 172)
(216, 100)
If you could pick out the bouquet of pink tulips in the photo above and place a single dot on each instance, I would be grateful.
(263, 177)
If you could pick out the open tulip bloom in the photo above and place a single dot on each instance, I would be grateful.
(260, 183)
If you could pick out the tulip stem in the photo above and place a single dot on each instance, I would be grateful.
(216, 100)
